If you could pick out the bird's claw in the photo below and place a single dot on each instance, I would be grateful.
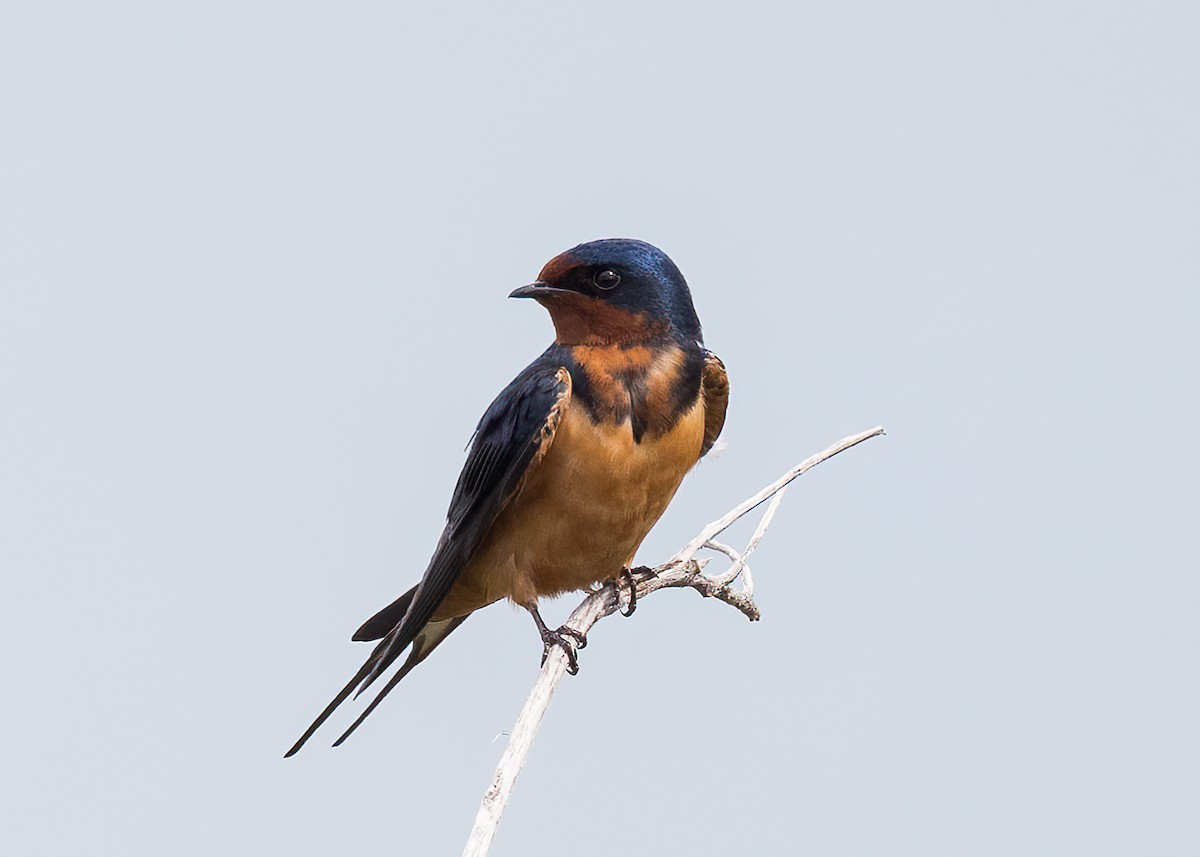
(559, 638)
(579, 637)
(627, 578)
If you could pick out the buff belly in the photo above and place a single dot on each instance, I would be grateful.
(581, 512)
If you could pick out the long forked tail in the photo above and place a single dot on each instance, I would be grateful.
(426, 641)
(423, 643)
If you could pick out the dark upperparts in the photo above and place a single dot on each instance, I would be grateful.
(617, 290)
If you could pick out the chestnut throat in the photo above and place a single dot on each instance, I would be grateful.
(580, 320)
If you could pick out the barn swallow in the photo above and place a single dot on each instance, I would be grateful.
(574, 461)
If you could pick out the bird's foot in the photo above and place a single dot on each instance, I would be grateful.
(559, 638)
(628, 578)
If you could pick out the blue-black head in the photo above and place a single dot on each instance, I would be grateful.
(614, 290)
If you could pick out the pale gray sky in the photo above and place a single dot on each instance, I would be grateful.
(254, 259)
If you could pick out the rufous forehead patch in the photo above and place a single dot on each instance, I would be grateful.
(557, 267)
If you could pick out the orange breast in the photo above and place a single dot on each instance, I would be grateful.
(582, 512)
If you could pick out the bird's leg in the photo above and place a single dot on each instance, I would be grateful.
(558, 638)
(627, 577)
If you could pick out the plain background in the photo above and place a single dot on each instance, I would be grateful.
(254, 259)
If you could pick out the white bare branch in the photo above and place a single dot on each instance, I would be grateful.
(681, 570)
(723, 523)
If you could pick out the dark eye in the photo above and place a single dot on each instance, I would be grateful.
(606, 279)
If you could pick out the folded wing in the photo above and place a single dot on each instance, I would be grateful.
(513, 435)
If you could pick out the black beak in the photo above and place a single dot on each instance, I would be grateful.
(535, 290)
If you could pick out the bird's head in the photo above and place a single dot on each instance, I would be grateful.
(614, 290)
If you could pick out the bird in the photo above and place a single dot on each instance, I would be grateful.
(571, 465)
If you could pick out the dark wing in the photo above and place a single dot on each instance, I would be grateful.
(515, 431)
(517, 428)
(714, 386)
